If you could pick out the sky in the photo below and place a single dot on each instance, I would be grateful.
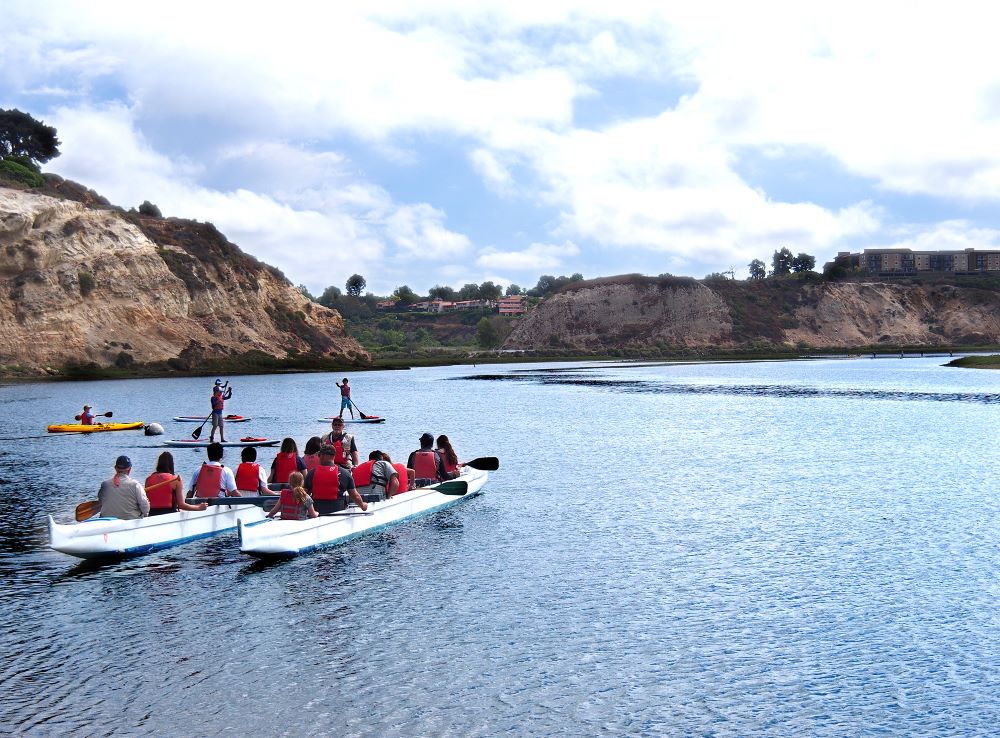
(448, 142)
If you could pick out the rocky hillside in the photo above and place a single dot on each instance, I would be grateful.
(83, 282)
(671, 314)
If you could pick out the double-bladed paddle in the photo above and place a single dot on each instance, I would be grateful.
(90, 508)
(484, 463)
(108, 414)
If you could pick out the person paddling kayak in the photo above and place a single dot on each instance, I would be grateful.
(345, 399)
(87, 417)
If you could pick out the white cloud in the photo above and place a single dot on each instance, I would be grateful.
(419, 231)
(536, 257)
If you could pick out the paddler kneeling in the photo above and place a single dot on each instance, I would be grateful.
(330, 485)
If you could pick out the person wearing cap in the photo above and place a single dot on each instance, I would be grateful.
(87, 417)
(343, 443)
(121, 496)
(220, 393)
(330, 484)
(426, 463)
(217, 480)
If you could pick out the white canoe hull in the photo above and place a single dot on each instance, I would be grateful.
(291, 537)
(100, 538)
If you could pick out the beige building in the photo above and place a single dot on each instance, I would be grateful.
(889, 262)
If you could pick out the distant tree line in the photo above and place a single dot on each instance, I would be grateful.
(782, 262)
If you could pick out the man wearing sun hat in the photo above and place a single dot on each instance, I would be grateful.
(121, 496)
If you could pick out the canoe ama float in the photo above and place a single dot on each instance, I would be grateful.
(369, 419)
(111, 538)
(201, 418)
(202, 443)
(95, 428)
(282, 538)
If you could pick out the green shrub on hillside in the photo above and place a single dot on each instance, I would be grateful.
(87, 283)
(20, 173)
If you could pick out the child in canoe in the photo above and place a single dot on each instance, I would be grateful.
(294, 503)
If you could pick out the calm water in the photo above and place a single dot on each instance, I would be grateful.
(806, 548)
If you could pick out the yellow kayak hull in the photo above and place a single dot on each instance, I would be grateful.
(96, 428)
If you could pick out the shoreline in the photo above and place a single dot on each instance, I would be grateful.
(984, 359)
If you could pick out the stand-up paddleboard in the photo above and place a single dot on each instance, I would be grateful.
(369, 419)
(201, 418)
(248, 441)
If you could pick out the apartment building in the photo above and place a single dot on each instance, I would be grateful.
(890, 262)
(513, 305)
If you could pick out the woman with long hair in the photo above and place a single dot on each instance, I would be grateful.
(165, 489)
(311, 456)
(286, 462)
(448, 456)
(295, 503)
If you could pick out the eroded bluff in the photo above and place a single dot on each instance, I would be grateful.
(672, 313)
(80, 283)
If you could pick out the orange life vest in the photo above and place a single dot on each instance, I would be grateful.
(311, 461)
(362, 474)
(284, 465)
(404, 478)
(209, 481)
(448, 466)
(248, 477)
(326, 483)
(290, 509)
(425, 465)
(161, 498)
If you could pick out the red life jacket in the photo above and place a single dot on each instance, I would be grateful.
(425, 465)
(363, 474)
(284, 465)
(161, 498)
(448, 467)
(248, 477)
(209, 481)
(343, 448)
(404, 478)
(290, 509)
(311, 461)
(217, 402)
(326, 483)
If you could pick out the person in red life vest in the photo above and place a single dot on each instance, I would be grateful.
(311, 456)
(250, 475)
(220, 393)
(331, 485)
(165, 490)
(87, 417)
(343, 443)
(295, 503)
(405, 476)
(121, 496)
(376, 479)
(287, 461)
(449, 458)
(345, 400)
(426, 463)
(213, 479)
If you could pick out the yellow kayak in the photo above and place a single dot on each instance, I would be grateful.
(95, 428)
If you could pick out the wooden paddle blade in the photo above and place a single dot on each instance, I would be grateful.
(87, 510)
(485, 463)
(454, 487)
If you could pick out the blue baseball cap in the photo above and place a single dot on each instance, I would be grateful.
(123, 462)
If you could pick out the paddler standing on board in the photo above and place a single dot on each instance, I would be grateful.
(220, 394)
(345, 400)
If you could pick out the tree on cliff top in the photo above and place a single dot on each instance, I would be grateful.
(22, 135)
(757, 270)
(355, 283)
(781, 262)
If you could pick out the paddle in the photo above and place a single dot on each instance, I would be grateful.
(90, 508)
(454, 487)
(108, 414)
(363, 416)
(485, 463)
(196, 433)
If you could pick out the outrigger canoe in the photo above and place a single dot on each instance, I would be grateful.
(369, 419)
(201, 419)
(95, 428)
(202, 443)
(112, 538)
(283, 538)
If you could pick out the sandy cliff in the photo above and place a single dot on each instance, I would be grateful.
(675, 314)
(82, 283)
